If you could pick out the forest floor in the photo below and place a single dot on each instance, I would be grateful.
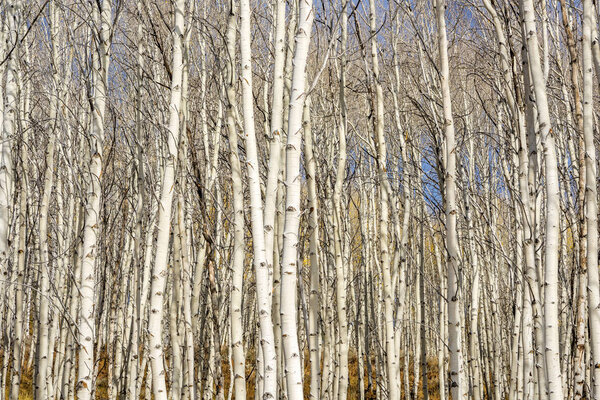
(26, 392)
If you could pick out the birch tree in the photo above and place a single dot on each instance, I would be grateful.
(552, 208)
(267, 340)
(292, 205)
(159, 272)
(420, 180)
(591, 195)
(452, 261)
(101, 16)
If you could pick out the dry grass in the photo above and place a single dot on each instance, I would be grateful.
(26, 392)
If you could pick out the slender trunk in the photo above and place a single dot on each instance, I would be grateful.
(340, 288)
(313, 221)
(551, 331)
(393, 386)
(289, 309)
(237, 261)
(9, 125)
(422, 322)
(261, 270)
(451, 210)
(45, 348)
(87, 329)
(160, 272)
(18, 345)
(591, 198)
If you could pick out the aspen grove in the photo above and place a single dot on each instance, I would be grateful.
(299, 199)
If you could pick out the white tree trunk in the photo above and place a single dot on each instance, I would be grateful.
(160, 272)
(18, 344)
(269, 369)
(392, 366)
(87, 331)
(551, 332)
(338, 212)
(289, 260)
(276, 132)
(45, 347)
(237, 260)
(9, 124)
(591, 197)
(313, 221)
(452, 259)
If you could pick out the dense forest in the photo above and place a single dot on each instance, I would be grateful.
(299, 199)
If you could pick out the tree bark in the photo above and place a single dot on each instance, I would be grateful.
(451, 210)
(591, 197)
(551, 332)
(261, 270)
(160, 272)
(289, 266)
